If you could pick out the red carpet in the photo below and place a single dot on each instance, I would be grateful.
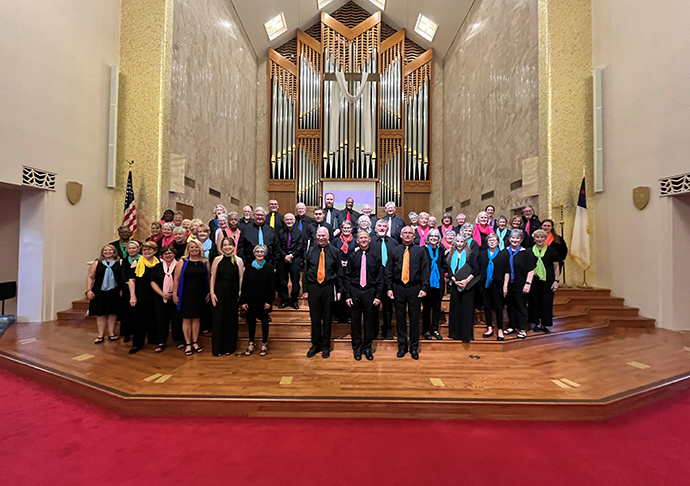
(50, 438)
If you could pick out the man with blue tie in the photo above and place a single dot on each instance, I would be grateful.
(259, 233)
(384, 244)
(395, 223)
(301, 219)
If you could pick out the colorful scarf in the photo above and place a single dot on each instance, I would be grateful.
(446, 245)
(435, 275)
(479, 231)
(422, 235)
(549, 239)
(490, 267)
(540, 270)
(207, 245)
(458, 262)
(257, 266)
(346, 242)
(502, 238)
(143, 264)
(132, 260)
(512, 255)
(445, 228)
(167, 241)
(109, 278)
(168, 280)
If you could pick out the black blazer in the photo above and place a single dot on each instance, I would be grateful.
(279, 221)
(354, 216)
(534, 224)
(374, 272)
(397, 225)
(297, 243)
(305, 222)
(249, 238)
(419, 267)
(335, 217)
(243, 224)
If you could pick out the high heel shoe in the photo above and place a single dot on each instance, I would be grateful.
(188, 349)
(197, 349)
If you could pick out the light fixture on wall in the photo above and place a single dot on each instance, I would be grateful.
(426, 28)
(322, 3)
(379, 3)
(276, 26)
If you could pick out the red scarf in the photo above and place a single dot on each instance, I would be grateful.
(445, 244)
(346, 243)
(479, 231)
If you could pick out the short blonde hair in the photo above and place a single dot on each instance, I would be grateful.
(179, 230)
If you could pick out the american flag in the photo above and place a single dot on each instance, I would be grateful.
(129, 218)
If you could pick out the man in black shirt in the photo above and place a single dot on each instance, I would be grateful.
(395, 223)
(330, 214)
(407, 277)
(301, 219)
(349, 214)
(274, 219)
(292, 245)
(385, 244)
(362, 287)
(246, 219)
(316, 224)
(323, 274)
(256, 233)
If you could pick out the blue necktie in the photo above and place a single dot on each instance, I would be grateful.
(300, 225)
(261, 236)
(384, 252)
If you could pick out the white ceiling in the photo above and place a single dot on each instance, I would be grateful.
(448, 14)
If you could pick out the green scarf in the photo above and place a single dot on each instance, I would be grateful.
(540, 270)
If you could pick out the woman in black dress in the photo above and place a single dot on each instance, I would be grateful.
(103, 292)
(141, 297)
(431, 310)
(162, 283)
(467, 231)
(258, 292)
(226, 281)
(461, 315)
(521, 265)
(126, 309)
(555, 240)
(544, 284)
(191, 293)
(493, 264)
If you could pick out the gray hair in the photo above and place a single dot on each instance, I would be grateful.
(423, 213)
(259, 208)
(450, 232)
(517, 232)
(342, 225)
(412, 214)
(390, 203)
(260, 247)
(232, 213)
(433, 232)
(465, 226)
(179, 231)
(169, 225)
(363, 219)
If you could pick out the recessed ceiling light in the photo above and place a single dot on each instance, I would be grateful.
(426, 28)
(276, 26)
(379, 3)
(323, 3)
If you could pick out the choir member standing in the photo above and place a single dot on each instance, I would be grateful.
(178, 217)
(162, 283)
(422, 231)
(207, 244)
(446, 224)
(141, 297)
(467, 230)
(156, 234)
(191, 292)
(490, 211)
(226, 282)
(292, 242)
(274, 218)
(448, 240)
(384, 244)
(503, 232)
(432, 222)
(120, 245)
(246, 218)
(530, 221)
(194, 228)
(349, 214)
(413, 218)
(368, 211)
(217, 211)
(318, 222)
(555, 241)
(362, 290)
(167, 237)
(258, 233)
(126, 310)
(395, 223)
(322, 272)
(301, 219)
(431, 311)
(495, 276)
(544, 283)
(407, 275)
(168, 216)
(516, 223)
(460, 219)
(482, 229)
(257, 296)
(103, 292)
(462, 292)
(364, 224)
(521, 266)
(330, 214)
(179, 242)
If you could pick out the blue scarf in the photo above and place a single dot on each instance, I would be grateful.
(456, 262)
(257, 266)
(512, 255)
(490, 267)
(501, 238)
(132, 260)
(185, 261)
(435, 276)
(109, 278)
(207, 245)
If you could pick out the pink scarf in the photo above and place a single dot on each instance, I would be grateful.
(422, 235)
(445, 228)
(478, 232)
(168, 280)
(167, 241)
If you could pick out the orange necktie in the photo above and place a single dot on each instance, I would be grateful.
(321, 273)
(406, 266)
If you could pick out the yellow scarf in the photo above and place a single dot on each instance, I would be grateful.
(141, 263)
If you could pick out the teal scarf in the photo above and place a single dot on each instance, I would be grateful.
(501, 238)
(490, 267)
(257, 266)
(458, 262)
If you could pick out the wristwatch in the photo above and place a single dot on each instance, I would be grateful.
(558, 281)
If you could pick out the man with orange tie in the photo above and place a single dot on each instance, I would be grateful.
(407, 277)
(323, 274)
(274, 219)
(349, 214)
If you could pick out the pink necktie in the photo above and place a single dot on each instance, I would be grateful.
(363, 271)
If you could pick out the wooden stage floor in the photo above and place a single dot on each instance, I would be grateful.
(577, 376)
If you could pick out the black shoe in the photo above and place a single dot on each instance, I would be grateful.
(127, 339)
(295, 306)
(508, 332)
(358, 356)
(427, 335)
(283, 305)
(389, 336)
(269, 319)
(488, 334)
(134, 350)
(368, 354)
(545, 330)
(500, 338)
(313, 351)
(437, 335)
(327, 352)
(402, 352)
(414, 354)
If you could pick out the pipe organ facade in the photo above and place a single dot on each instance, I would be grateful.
(331, 122)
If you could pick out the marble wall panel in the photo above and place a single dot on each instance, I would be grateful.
(214, 111)
(491, 105)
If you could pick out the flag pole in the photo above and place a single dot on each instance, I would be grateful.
(584, 285)
(565, 284)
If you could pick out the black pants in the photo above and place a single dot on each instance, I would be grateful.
(321, 297)
(254, 313)
(289, 271)
(493, 301)
(431, 310)
(517, 308)
(387, 313)
(407, 301)
(540, 309)
(167, 320)
(144, 324)
(363, 304)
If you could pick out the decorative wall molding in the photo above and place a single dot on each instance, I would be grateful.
(672, 186)
(38, 178)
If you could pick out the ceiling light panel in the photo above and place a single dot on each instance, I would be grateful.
(322, 3)
(276, 26)
(379, 3)
(426, 28)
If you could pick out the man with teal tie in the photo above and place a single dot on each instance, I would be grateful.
(258, 233)
(384, 244)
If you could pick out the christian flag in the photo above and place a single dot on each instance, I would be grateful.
(579, 246)
(129, 218)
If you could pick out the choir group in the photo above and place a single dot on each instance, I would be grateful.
(189, 278)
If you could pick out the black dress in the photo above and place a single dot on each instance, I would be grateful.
(194, 289)
(105, 303)
(225, 313)
(126, 310)
(461, 313)
(145, 325)
(540, 309)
